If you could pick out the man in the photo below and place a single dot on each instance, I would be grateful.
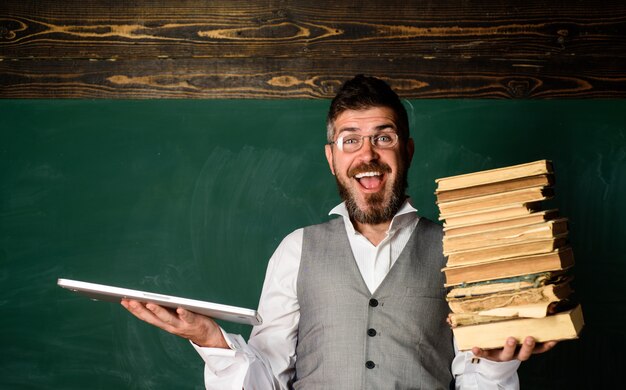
(357, 302)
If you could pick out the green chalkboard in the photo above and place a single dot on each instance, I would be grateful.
(191, 198)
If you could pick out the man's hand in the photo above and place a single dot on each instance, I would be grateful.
(201, 330)
(510, 351)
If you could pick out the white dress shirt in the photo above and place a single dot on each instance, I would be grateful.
(267, 361)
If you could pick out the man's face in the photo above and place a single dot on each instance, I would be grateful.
(371, 181)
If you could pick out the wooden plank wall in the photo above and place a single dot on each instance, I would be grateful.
(305, 49)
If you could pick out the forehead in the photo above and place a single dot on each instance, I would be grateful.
(371, 118)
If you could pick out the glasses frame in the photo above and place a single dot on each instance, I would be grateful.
(340, 144)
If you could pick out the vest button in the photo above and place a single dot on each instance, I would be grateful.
(370, 364)
(373, 302)
(371, 332)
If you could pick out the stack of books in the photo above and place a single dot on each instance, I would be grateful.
(508, 260)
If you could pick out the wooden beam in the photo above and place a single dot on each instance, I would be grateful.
(291, 49)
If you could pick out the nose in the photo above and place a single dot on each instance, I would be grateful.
(368, 152)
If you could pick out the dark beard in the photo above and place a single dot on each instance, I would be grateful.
(378, 212)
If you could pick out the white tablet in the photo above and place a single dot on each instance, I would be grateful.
(103, 292)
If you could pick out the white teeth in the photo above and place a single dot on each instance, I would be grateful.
(367, 174)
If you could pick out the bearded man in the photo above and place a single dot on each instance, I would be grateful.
(357, 302)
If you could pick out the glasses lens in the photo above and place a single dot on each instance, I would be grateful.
(385, 140)
(350, 143)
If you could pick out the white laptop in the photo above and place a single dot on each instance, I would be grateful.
(103, 292)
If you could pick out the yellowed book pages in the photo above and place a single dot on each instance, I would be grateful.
(494, 188)
(534, 310)
(503, 285)
(488, 215)
(504, 236)
(470, 319)
(494, 175)
(491, 253)
(560, 326)
(520, 298)
(527, 219)
(525, 195)
(560, 259)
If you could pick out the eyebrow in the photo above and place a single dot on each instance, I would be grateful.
(377, 128)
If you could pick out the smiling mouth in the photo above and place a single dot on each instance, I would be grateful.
(370, 180)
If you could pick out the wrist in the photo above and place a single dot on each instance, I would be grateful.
(212, 338)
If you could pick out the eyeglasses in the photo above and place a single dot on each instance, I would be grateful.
(350, 143)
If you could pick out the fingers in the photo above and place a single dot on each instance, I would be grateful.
(200, 329)
(165, 316)
(527, 348)
(499, 355)
(478, 352)
(186, 315)
(511, 351)
(508, 351)
(545, 347)
(152, 314)
(531, 347)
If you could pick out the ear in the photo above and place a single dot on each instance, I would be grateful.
(329, 157)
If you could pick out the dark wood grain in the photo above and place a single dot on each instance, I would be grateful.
(300, 78)
(285, 49)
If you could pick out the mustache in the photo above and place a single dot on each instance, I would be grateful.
(369, 167)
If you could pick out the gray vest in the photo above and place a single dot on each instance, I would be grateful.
(396, 338)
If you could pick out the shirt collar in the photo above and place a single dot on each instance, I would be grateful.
(403, 217)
